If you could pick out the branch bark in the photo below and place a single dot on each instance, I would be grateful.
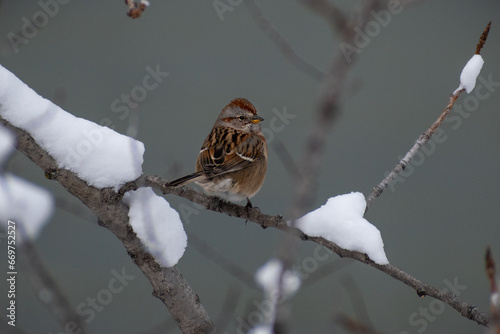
(421, 141)
(168, 284)
(265, 221)
(424, 138)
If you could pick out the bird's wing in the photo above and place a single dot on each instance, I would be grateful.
(234, 151)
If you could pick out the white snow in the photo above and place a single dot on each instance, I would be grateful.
(268, 276)
(24, 203)
(6, 144)
(261, 329)
(469, 73)
(341, 221)
(97, 154)
(157, 225)
(494, 299)
(21, 201)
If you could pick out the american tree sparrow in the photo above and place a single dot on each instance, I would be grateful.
(232, 161)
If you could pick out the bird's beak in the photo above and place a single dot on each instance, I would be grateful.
(257, 119)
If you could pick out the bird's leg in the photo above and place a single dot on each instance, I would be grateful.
(249, 204)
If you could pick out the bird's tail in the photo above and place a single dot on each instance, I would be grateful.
(185, 180)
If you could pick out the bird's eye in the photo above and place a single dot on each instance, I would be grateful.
(242, 117)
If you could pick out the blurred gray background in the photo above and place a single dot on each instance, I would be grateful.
(436, 224)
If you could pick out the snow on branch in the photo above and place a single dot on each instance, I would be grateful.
(40, 139)
(341, 221)
(473, 67)
(157, 225)
(49, 136)
(97, 154)
(467, 82)
(277, 222)
(21, 201)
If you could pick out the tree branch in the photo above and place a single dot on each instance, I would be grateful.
(424, 138)
(330, 12)
(283, 46)
(277, 222)
(168, 284)
(421, 141)
(45, 286)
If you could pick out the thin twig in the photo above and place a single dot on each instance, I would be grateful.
(226, 314)
(424, 138)
(483, 38)
(352, 325)
(223, 261)
(329, 110)
(421, 141)
(286, 159)
(283, 46)
(357, 300)
(255, 215)
(330, 12)
(491, 273)
(309, 169)
(325, 270)
(45, 286)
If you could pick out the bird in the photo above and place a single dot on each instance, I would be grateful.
(232, 162)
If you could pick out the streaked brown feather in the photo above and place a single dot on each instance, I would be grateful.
(216, 159)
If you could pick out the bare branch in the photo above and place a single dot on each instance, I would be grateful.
(329, 11)
(228, 308)
(424, 138)
(277, 222)
(306, 186)
(286, 49)
(45, 286)
(357, 300)
(421, 141)
(491, 273)
(353, 326)
(286, 159)
(328, 111)
(168, 284)
(483, 38)
(221, 260)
